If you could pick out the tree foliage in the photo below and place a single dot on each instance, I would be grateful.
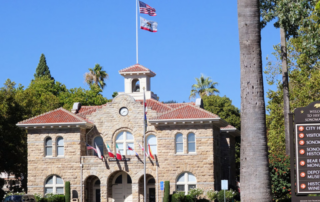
(96, 76)
(304, 85)
(13, 150)
(204, 86)
(222, 106)
(42, 68)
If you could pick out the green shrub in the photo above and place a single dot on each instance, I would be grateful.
(195, 193)
(212, 195)
(166, 197)
(179, 196)
(203, 200)
(188, 198)
(230, 194)
(67, 191)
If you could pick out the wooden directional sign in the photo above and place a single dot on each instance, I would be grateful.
(307, 143)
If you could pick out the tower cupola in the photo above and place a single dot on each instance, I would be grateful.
(137, 79)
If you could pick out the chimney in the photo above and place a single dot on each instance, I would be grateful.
(199, 103)
(76, 107)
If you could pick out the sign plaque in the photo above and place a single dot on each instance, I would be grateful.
(307, 148)
(224, 184)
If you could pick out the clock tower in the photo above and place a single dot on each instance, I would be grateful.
(137, 79)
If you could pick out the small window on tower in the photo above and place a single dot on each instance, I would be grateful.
(135, 85)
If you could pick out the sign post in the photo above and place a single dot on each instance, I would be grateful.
(224, 187)
(305, 153)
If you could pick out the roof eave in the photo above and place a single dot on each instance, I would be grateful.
(139, 72)
(52, 125)
(216, 121)
(232, 131)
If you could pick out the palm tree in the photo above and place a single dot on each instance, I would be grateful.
(96, 76)
(254, 173)
(204, 86)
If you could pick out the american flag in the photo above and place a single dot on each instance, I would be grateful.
(91, 147)
(146, 9)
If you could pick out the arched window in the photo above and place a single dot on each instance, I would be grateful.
(191, 143)
(60, 146)
(152, 141)
(48, 146)
(99, 141)
(123, 140)
(179, 143)
(186, 182)
(54, 185)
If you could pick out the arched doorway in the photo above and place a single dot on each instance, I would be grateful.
(96, 191)
(122, 188)
(92, 189)
(151, 188)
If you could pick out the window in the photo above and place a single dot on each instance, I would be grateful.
(60, 146)
(123, 140)
(186, 181)
(48, 147)
(99, 141)
(152, 141)
(54, 185)
(191, 143)
(179, 143)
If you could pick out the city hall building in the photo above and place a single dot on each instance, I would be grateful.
(192, 147)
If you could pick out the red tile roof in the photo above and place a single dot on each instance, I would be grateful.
(228, 127)
(59, 115)
(164, 111)
(156, 105)
(136, 68)
(187, 111)
(87, 110)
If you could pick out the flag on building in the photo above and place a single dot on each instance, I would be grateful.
(143, 149)
(119, 156)
(110, 152)
(148, 25)
(145, 112)
(98, 152)
(150, 152)
(91, 147)
(146, 9)
(129, 148)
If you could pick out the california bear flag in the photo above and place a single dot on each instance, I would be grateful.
(148, 25)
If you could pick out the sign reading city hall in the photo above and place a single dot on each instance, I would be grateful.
(307, 136)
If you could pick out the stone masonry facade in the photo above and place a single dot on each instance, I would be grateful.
(79, 166)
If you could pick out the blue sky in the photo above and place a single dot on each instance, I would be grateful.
(192, 39)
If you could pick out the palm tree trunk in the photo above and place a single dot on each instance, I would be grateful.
(255, 179)
(285, 84)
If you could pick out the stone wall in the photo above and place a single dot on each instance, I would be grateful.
(41, 167)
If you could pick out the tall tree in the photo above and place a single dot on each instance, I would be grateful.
(96, 76)
(204, 86)
(254, 170)
(43, 69)
(288, 14)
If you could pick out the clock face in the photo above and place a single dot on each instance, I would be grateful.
(124, 111)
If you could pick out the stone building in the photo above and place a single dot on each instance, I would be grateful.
(184, 138)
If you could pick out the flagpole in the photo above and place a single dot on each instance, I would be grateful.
(137, 49)
(144, 142)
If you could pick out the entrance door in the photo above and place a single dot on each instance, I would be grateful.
(97, 195)
(152, 195)
(122, 188)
